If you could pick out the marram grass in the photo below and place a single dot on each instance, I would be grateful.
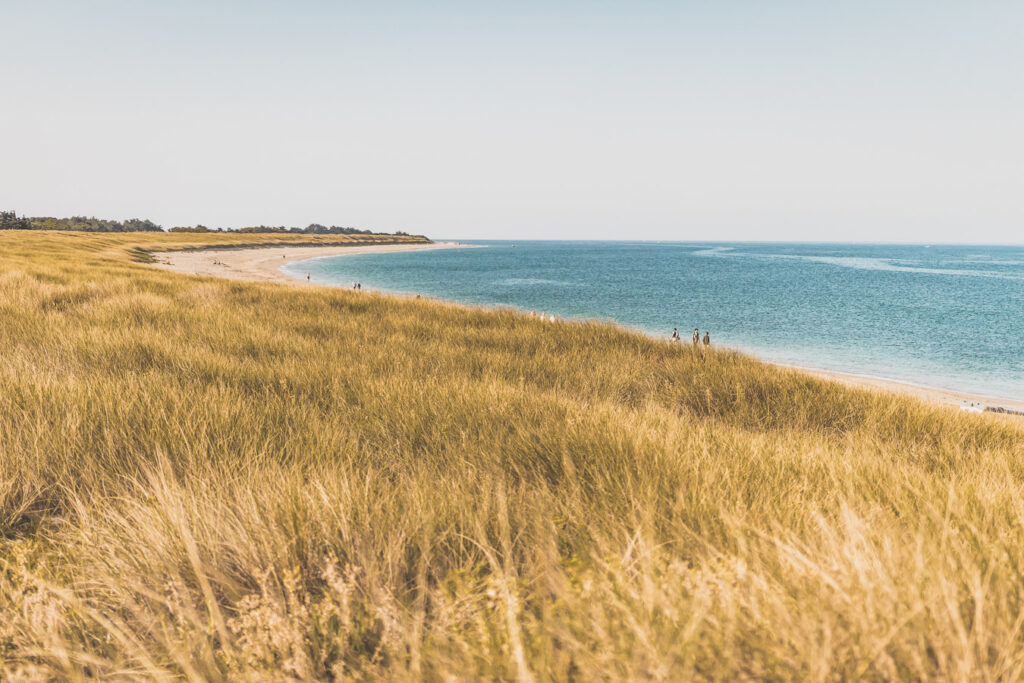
(213, 480)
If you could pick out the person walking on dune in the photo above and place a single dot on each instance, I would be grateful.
(707, 339)
(675, 335)
(696, 337)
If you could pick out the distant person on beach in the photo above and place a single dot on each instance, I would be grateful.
(675, 334)
(696, 337)
(307, 277)
(707, 338)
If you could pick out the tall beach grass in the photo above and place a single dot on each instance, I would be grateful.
(206, 479)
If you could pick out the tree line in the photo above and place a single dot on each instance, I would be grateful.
(9, 220)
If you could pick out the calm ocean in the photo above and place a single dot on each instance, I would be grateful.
(949, 317)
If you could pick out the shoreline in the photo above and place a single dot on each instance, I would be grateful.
(263, 264)
(947, 397)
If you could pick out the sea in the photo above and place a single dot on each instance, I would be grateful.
(948, 317)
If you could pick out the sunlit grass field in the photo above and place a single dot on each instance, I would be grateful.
(214, 480)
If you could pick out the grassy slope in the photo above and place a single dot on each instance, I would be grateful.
(215, 478)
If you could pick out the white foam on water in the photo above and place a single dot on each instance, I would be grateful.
(531, 281)
(713, 251)
(865, 263)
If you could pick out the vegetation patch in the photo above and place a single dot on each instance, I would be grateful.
(211, 480)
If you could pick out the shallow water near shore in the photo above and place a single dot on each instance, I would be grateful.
(949, 317)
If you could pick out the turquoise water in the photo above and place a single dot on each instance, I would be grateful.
(950, 317)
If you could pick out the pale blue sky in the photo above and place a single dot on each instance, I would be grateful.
(851, 121)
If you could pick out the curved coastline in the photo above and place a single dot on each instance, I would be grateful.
(263, 264)
(267, 264)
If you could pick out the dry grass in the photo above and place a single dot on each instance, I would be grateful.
(220, 480)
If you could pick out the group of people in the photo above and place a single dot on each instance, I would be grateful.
(355, 285)
(696, 337)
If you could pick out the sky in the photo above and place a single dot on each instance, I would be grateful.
(820, 121)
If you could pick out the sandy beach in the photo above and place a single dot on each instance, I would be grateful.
(942, 396)
(263, 265)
